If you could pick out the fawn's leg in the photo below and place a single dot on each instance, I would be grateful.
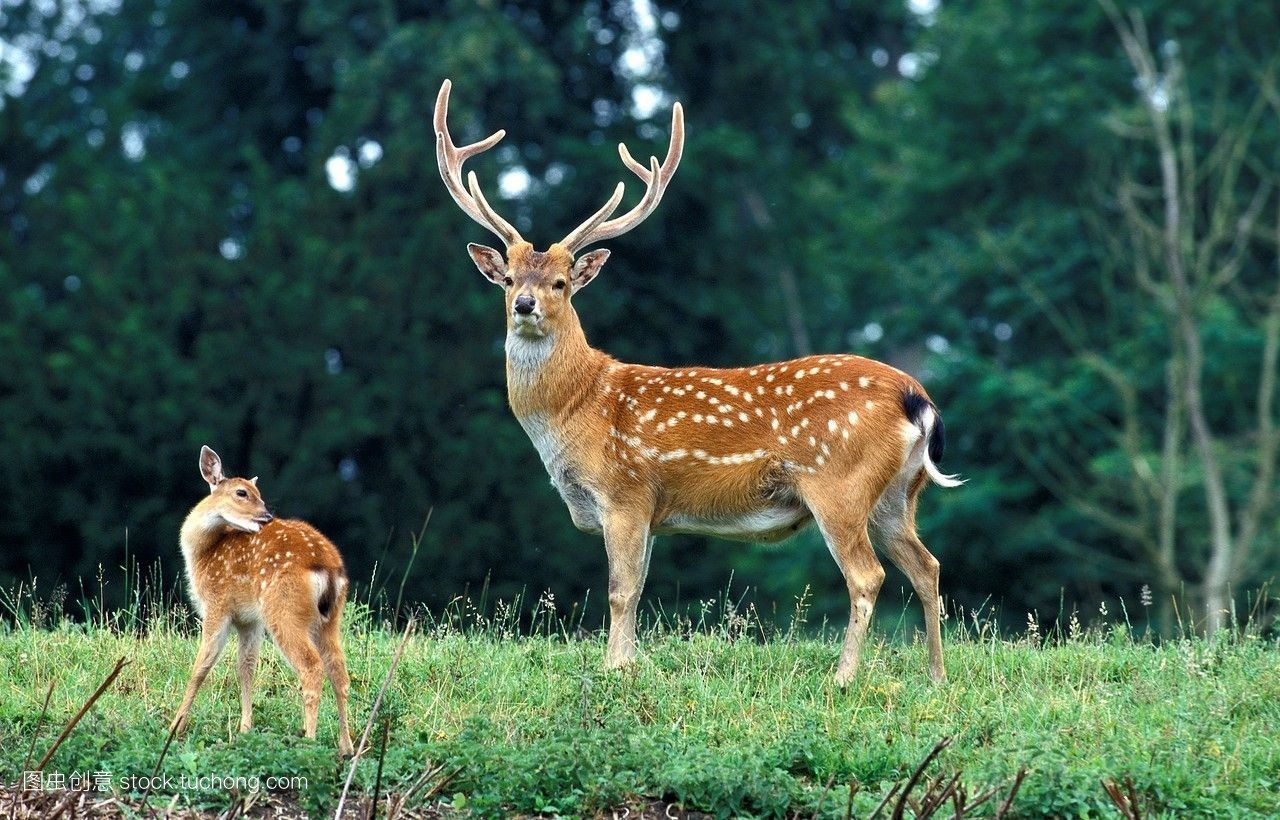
(249, 648)
(290, 624)
(335, 664)
(626, 539)
(214, 631)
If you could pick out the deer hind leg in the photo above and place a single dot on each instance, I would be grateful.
(893, 525)
(214, 632)
(291, 624)
(841, 510)
(248, 648)
(627, 541)
(335, 664)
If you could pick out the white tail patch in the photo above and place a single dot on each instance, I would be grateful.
(319, 585)
(938, 477)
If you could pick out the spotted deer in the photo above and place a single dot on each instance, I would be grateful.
(748, 453)
(249, 570)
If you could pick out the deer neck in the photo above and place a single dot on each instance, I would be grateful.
(552, 376)
(201, 532)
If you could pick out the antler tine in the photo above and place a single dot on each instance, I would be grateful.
(577, 238)
(450, 158)
(655, 177)
(490, 215)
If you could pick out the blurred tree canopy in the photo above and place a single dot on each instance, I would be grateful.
(222, 223)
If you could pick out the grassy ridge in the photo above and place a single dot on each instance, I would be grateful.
(713, 716)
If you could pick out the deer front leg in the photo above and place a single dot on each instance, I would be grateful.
(626, 539)
(213, 637)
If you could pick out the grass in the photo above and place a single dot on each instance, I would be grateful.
(720, 714)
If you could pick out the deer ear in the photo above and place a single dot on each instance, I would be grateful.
(254, 481)
(586, 268)
(211, 467)
(489, 261)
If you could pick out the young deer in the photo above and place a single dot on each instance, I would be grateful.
(751, 454)
(250, 570)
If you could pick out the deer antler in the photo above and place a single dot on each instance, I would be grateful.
(655, 178)
(451, 157)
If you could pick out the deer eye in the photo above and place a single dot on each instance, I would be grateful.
(559, 285)
(242, 493)
(508, 281)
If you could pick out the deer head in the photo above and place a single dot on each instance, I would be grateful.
(234, 502)
(539, 285)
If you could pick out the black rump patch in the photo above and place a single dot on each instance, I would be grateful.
(914, 405)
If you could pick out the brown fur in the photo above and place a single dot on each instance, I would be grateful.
(751, 453)
(251, 571)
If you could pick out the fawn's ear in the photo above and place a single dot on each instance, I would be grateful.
(489, 261)
(254, 481)
(586, 268)
(211, 467)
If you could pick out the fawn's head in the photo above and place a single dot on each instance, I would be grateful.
(539, 285)
(232, 502)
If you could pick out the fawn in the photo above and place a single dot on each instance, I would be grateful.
(250, 570)
(748, 453)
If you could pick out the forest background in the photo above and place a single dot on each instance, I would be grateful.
(222, 223)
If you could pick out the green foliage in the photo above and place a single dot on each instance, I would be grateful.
(711, 717)
(177, 270)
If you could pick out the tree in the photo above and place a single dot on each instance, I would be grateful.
(1197, 249)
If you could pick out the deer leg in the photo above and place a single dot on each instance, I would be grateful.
(335, 665)
(248, 646)
(291, 630)
(841, 515)
(214, 632)
(893, 524)
(626, 539)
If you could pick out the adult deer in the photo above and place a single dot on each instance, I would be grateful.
(751, 454)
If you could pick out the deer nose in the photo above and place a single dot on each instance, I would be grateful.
(524, 304)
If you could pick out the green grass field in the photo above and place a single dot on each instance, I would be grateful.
(721, 715)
